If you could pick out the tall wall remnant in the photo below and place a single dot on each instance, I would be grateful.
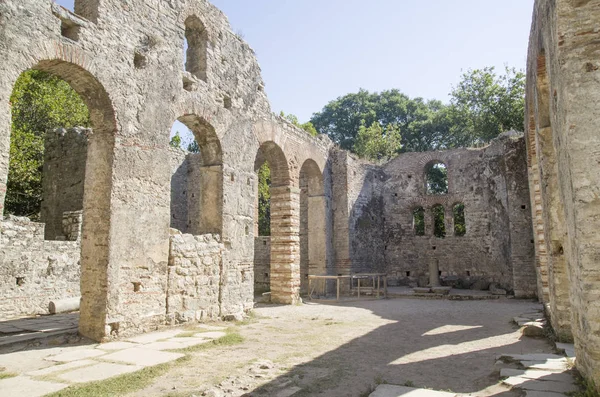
(562, 116)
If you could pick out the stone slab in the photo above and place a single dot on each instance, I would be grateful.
(210, 335)
(76, 355)
(403, 391)
(532, 393)
(540, 385)
(568, 348)
(534, 357)
(154, 336)
(143, 357)
(211, 327)
(97, 372)
(21, 386)
(422, 290)
(61, 367)
(549, 365)
(536, 374)
(187, 342)
(288, 392)
(117, 346)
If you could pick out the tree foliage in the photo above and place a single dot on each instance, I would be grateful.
(439, 227)
(437, 179)
(175, 140)
(460, 228)
(40, 102)
(264, 200)
(308, 126)
(483, 105)
(376, 142)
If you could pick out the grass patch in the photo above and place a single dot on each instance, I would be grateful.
(119, 385)
(232, 338)
(587, 388)
(188, 334)
(6, 375)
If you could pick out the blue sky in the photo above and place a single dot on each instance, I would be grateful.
(313, 51)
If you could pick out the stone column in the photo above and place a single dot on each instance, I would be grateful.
(434, 272)
(285, 244)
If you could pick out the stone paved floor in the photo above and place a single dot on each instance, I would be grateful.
(26, 329)
(50, 368)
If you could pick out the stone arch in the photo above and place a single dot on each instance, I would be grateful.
(96, 291)
(459, 223)
(436, 178)
(438, 216)
(204, 179)
(285, 261)
(418, 220)
(312, 223)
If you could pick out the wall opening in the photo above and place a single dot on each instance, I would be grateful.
(48, 152)
(419, 221)
(439, 225)
(97, 188)
(436, 178)
(196, 40)
(460, 227)
(282, 243)
(196, 177)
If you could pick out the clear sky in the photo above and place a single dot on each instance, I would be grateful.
(313, 51)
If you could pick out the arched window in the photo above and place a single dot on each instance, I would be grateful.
(436, 178)
(460, 228)
(195, 47)
(439, 226)
(419, 221)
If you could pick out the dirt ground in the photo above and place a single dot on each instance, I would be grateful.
(344, 350)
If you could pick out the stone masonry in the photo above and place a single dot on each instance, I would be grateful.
(563, 75)
(169, 236)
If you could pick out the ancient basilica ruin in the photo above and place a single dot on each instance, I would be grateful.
(151, 236)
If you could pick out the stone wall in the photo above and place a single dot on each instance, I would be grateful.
(194, 278)
(34, 271)
(562, 115)
(373, 218)
(63, 175)
(262, 264)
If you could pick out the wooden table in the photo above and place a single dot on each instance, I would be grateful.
(380, 277)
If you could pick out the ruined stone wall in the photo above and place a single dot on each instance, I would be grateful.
(492, 184)
(194, 275)
(262, 264)
(373, 218)
(136, 85)
(562, 119)
(34, 271)
(63, 175)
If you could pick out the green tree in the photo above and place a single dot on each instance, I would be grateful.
(175, 140)
(40, 102)
(437, 179)
(308, 126)
(376, 142)
(264, 200)
(439, 227)
(417, 119)
(193, 147)
(460, 228)
(485, 104)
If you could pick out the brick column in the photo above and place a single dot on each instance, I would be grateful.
(285, 244)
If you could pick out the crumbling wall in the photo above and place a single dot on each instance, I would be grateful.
(34, 271)
(492, 186)
(179, 189)
(194, 278)
(63, 175)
